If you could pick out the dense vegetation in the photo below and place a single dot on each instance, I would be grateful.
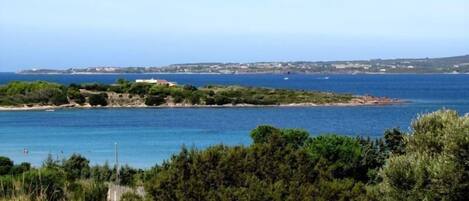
(45, 93)
(40, 92)
(69, 179)
(429, 163)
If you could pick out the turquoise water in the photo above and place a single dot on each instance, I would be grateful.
(149, 136)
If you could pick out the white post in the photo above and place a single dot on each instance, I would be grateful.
(116, 187)
(117, 164)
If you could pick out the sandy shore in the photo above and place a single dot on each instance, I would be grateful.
(359, 101)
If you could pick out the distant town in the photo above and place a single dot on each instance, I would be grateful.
(455, 65)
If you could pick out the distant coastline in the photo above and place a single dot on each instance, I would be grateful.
(444, 65)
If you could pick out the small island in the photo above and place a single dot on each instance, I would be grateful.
(21, 95)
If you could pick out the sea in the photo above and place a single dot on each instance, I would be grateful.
(144, 137)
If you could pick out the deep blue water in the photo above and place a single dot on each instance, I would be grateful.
(149, 136)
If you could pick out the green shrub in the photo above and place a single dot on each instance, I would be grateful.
(7, 186)
(139, 88)
(75, 95)
(435, 163)
(94, 86)
(59, 99)
(98, 99)
(126, 175)
(340, 155)
(18, 169)
(394, 139)
(38, 92)
(154, 100)
(101, 173)
(45, 184)
(5, 165)
(130, 196)
(88, 191)
(76, 167)
(265, 133)
(262, 133)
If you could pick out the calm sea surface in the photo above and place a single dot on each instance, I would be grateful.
(149, 136)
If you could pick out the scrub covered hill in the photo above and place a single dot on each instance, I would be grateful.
(132, 94)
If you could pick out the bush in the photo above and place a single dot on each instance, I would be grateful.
(5, 165)
(94, 86)
(130, 196)
(126, 175)
(265, 171)
(154, 100)
(98, 99)
(18, 169)
(394, 140)
(209, 101)
(222, 100)
(59, 99)
(194, 98)
(44, 184)
(39, 92)
(435, 164)
(340, 155)
(265, 133)
(75, 95)
(139, 88)
(262, 133)
(76, 167)
(101, 173)
(88, 190)
(7, 187)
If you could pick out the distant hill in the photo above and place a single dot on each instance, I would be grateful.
(456, 64)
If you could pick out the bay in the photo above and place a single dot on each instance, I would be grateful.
(149, 136)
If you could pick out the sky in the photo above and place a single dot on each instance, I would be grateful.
(61, 34)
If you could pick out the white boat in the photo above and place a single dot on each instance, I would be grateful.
(50, 110)
(326, 78)
(285, 78)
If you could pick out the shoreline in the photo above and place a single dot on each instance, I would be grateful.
(353, 103)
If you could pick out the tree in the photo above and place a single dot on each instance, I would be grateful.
(266, 133)
(435, 165)
(101, 173)
(154, 100)
(22, 167)
(295, 137)
(394, 140)
(262, 133)
(339, 156)
(98, 99)
(126, 175)
(5, 165)
(139, 88)
(44, 184)
(87, 190)
(76, 167)
(50, 162)
(190, 87)
(75, 95)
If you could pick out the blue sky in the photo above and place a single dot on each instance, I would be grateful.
(81, 33)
